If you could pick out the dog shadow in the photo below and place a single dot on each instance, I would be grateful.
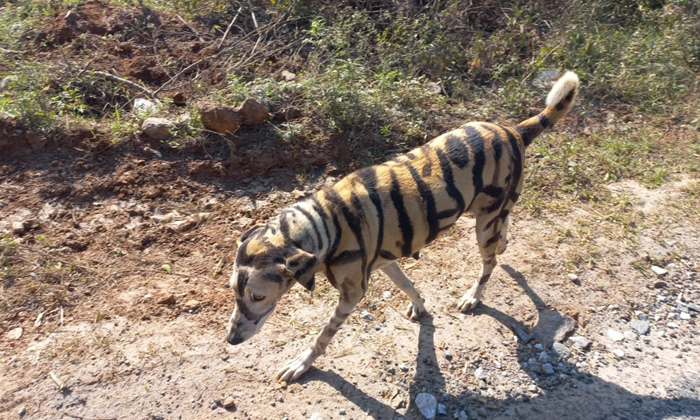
(572, 395)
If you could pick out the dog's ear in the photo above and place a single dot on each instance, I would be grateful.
(302, 268)
(245, 235)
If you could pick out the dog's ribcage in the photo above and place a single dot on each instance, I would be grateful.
(383, 212)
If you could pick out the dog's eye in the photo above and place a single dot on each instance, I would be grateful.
(257, 298)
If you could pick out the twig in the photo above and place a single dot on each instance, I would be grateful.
(75, 416)
(223, 38)
(191, 28)
(252, 12)
(129, 83)
(58, 382)
(6, 51)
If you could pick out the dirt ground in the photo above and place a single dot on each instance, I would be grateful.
(114, 265)
(117, 280)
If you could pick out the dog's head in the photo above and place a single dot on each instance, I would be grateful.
(267, 265)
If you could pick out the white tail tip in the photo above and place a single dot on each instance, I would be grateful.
(564, 86)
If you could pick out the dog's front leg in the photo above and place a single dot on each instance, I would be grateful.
(297, 366)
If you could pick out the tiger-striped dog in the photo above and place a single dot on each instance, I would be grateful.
(376, 215)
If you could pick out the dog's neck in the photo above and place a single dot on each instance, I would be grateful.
(304, 228)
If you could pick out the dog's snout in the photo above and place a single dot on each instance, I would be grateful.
(234, 339)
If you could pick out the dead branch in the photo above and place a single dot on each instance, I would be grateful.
(223, 38)
(129, 83)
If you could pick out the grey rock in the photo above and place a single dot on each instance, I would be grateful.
(386, 295)
(448, 355)
(579, 342)
(553, 326)
(573, 277)
(157, 128)
(619, 353)
(463, 415)
(377, 327)
(366, 316)
(22, 411)
(427, 405)
(685, 316)
(442, 409)
(560, 351)
(615, 335)
(315, 416)
(403, 367)
(342, 412)
(480, 374)
(144, 105)
(658, 270)
(641, 326)
(548, 369)
(641, 315)
(693, 307)
(543, 357)
(522, 335)
(497, 364)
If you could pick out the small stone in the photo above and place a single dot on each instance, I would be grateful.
(253, 112)
(480, 374)
(579, 342)
(377, 327)
(157, 128)
(143, 105)
(561, 352)
(224, 357)
(497, 364)
(315, 416)
(532, 388)
(672, 325)
(427, 405)
(22, 411)
(288, 76)
(219, 118)
(403, 367)
(214, 405)
(522, 334)
(442, 409)
(641, 315)
(553, 326)
(386, 295)
(192, 304)
(342, 412)
(660, 285)
(366, 316)
(15, 333)
(167, 300)
(463, 415)
(18, 228)
(538, 346)
(229, 403)
(685, 316)
(615, 335)
(543, 357)
(548, 369)
(618, 353)
(573, 277)
(658, 270)
(448, 355)
(641, 326)
(629, 335)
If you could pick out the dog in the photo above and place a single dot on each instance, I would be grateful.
(378, 214)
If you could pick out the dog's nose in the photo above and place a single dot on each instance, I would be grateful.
(234, 340)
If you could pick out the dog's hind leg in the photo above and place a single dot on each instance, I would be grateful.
(416, 308)
(349, 298)
(489, 236)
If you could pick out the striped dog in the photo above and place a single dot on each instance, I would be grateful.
(378, 214)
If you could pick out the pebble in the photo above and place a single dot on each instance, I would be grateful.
(214, 405)
(543, 357)
(315, 416)
(480, 374)
(579, 342)
(366, 316)
(685, 316)
(615, 335)
(403, 367)
(427, 404)
(641, 315)
(548, 368)
(497, 364)
(448, 355)
(377, 327)
(442, 409)
(229, 403)
(342, 412)
(538, 346)
(573, 277)
(532, 388)
(386, 295)
(641, 326)
(672, 325)
(629, 335)
(22, 411)
(225, 357)
(463, 415)
(561, 351)
(658, 270)
(619, 353)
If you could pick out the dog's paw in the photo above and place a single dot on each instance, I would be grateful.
(469, 300)
(415, 311)
(296, 367)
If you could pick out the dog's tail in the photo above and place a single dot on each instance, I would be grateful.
(559, 101)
